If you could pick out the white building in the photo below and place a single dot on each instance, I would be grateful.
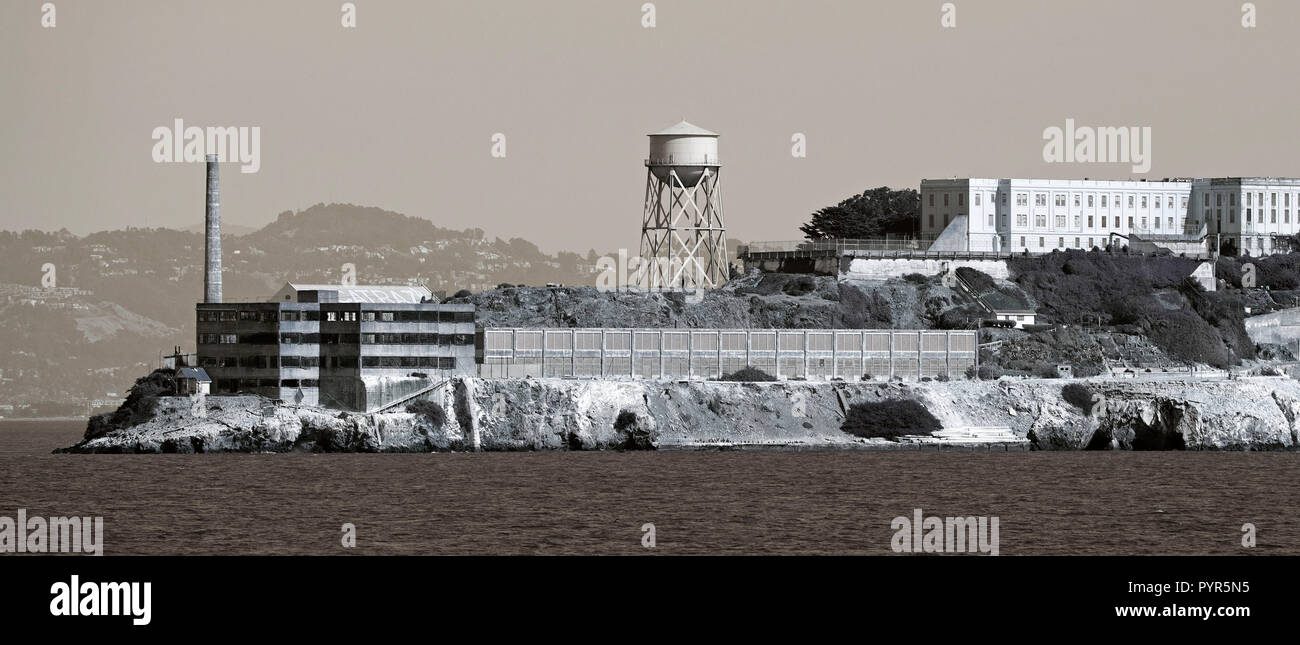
(1042, 215)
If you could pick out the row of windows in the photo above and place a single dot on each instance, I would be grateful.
(269, 362)
(231, 315)
(299, 338)
(1250, 218)
(1040, 199)
(1252, 198)
(245, 384)
(1060, 242)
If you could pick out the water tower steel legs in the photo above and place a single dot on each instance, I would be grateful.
(683, 236)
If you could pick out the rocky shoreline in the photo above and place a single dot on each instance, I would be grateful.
(1256, 413)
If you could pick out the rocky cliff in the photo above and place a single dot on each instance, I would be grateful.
(553, 414)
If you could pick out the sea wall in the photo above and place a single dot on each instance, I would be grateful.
(883, 268)
(561, 414)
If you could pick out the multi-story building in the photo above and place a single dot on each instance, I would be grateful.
(1042, 215)
(1248, 213)
(347, 347)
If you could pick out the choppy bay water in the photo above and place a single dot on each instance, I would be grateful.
(699, 502)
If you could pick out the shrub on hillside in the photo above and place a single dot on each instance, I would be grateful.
(139, 406)
(799, 286)
(1078, 395)
(889, 419)
(916, 278)
(1187, 337)
(978, 280)
(748, 374)
(431, 411)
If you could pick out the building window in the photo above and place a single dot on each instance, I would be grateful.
(1130, 221)
(1089, 242)
(961, 199)
(1040, 200)
(1248, 199)
(1183, 201)
(1273, 217)
(1144, 201)
(331, 316)
(1060, 200)
(1089, 221)
(1040, 243)
(932, 199)
(1022, 241)
(1060, 242)
(990, 219)
(1090, 201)
(931, 220)
(1103, 201)
(1004, 199)
(1130, 201)
(1060, 221)
(1232, 199)
(229, 339)
(1076, 200)
(1171, 222)
(1022, 219)
(945, 199)
(977, 199)
(1040, 220)
(1103, 221)
(1022, 199)
(1076, 242)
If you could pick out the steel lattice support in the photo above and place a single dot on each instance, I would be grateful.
(683, 237)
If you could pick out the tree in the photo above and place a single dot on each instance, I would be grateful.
(875, 213)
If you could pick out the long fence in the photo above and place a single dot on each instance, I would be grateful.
(814, 354)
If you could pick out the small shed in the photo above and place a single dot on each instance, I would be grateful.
(192, 380)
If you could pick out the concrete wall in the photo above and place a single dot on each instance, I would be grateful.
(668, 354)
(1282, 327)
(883, 269)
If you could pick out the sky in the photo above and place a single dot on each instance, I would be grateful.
(400, 111)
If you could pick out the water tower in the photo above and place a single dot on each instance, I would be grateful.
(682, 233)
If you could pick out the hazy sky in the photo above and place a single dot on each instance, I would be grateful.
(399, 112)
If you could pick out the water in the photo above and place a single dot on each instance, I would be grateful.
(699, 502)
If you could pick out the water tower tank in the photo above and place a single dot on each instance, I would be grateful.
(686, 149)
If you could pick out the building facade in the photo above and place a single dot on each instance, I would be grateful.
(352, 348)
(1043, 215)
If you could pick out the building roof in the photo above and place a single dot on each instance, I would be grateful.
(379, 293)
(683, 129)
(195, 373)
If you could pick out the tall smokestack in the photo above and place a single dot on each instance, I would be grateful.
(212, 229)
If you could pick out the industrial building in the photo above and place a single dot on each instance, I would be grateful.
(1198, 217)
(352, 348)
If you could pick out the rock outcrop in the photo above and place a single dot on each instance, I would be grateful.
(1259, 413)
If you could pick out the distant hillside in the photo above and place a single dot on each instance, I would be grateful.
(137, 287)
